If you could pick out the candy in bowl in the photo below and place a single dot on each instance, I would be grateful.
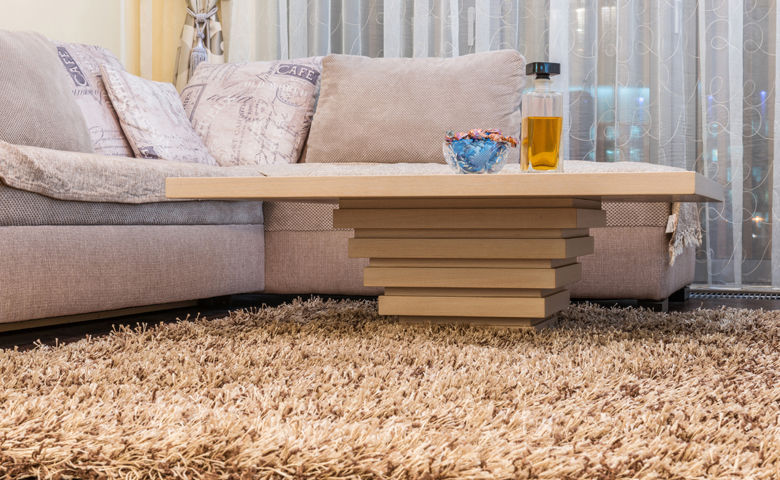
(477, 151)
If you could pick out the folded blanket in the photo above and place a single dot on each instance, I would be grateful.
(99, 178)
(92, 177)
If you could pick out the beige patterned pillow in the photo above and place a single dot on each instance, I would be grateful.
(253, 113)
(153, 119)
(82, 63)
(397, 110)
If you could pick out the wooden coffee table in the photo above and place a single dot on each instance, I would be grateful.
(497, 250)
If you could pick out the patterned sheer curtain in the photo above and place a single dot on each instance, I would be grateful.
(676, 82)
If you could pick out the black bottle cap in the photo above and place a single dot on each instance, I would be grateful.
(543, 69)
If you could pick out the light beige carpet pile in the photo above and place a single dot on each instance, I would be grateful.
(329, 390)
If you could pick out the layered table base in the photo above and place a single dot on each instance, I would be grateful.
(492, 262)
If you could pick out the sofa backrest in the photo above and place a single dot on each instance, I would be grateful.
(393, 110)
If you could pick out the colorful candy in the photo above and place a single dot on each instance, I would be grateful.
(480, 134)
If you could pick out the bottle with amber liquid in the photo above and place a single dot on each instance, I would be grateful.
(542, 108)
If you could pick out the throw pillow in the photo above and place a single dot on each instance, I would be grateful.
(82, 63)
(153, 119)
(38, 108)
(393, 110)
(253, 113)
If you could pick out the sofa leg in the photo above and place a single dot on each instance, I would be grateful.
(681, 295)
(654, 305)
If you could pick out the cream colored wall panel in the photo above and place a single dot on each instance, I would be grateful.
(97, 22)
(141, 33)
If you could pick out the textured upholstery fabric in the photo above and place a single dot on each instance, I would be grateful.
(313, 262)
(35, 100)
(298, 216)
(78, 269)
(632, 262)
(636, 214)
(253, 113)
(22, 208)
(393, 110)
(310, 216)
(82, 64)
(153, 118)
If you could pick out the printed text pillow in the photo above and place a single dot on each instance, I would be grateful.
(253, 113)
(153, 119)
(82, 63)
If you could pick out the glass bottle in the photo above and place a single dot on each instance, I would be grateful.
(540, 146)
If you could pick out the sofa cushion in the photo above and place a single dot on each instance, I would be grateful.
(23, 208)
(153, 119)
(67, 270)
(394, 110)
(301, 262)
(38, 108)
(82, 63)
(633, 262)
(253, 113)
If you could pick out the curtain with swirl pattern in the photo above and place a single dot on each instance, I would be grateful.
(677, 82)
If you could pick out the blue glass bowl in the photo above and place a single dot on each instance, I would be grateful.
(475, 156)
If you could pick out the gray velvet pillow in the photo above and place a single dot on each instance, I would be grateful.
(37, 106)
(392, 110)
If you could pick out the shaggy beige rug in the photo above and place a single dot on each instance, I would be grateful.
(329, 390)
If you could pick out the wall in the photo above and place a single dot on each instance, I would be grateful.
(144, 34)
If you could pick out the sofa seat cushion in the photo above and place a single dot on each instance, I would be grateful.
(23, 208)
(69, 270)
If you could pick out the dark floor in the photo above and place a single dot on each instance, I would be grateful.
(25, 339)
(214, 308)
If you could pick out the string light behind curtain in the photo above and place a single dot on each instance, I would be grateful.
(684, 83)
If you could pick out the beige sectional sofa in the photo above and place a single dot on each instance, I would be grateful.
(67, 257)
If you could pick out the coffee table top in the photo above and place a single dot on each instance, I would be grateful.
(333, 182)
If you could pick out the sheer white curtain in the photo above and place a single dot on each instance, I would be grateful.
(678, 82)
